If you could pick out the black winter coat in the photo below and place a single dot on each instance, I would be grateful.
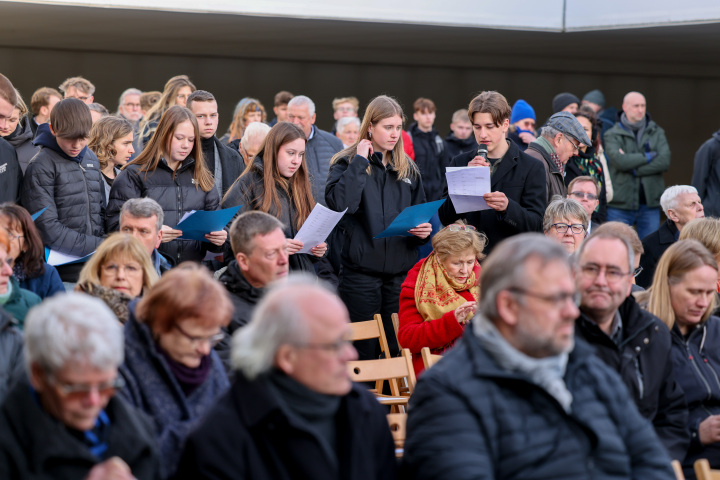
(643, 361)
(22, 141)
(455, 147)
(706, 175)
(432, 159)
(11, 176)
(249, 192)
(246, 435)
(655, 245)
(522, 179)
(35, 446)
(244, 297)
(373, 201)
(177, 194)
(470, 419)
(12, 365)
(73, 189)
(231, 164)
(319, 150)
(697, 368)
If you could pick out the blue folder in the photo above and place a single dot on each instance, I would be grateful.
(411, 217)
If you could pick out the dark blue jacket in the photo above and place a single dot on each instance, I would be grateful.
(153, 388)
(470, 419)
(697, 368)
(44, 285)
(706, 175)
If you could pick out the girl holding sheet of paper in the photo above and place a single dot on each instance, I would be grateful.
(375, 180)
(171, 170)
(277, 182)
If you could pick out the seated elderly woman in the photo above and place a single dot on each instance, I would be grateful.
(118, 271)
(682, 295)
(171, 370)
(67, 423)
(566, 222)
(15, 300)
(439, 296)
(28, 253)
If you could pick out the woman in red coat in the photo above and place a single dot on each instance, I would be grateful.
(440, 294)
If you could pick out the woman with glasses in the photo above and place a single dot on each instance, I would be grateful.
(13, 299)
(27, 253)
(682, 295)
(171, 370)
(119, 271)
(440, 294)
(566, 222)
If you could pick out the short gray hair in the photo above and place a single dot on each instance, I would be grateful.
(301, 100)
(72, 327)
(506, 266)
(129, 91)
(247, 226)
(564, 208)
(549, 132)
(345, 121)
(279, 319)
(144, 207)
(610, 234)
(253, 131)
(668, 200)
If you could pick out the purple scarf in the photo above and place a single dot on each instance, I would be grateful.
(188, 378)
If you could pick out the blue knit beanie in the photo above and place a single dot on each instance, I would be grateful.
(520, 111)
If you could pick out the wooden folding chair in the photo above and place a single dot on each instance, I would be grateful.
(386, 369)
(677, 468)
(370, 329)
(396, 326)
(398, 428)
(704, 472)
(429, 359)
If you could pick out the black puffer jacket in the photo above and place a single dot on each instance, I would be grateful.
(432, 159)
(10, 173)
(456, 146)
(470, 419)
(643, 361)
(249, 191)
(22, 140)
(11, 353)
(318, 152)
(244, 297)
(373, 201)
(74, 192)
(177, 194)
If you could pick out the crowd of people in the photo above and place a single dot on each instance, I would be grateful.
(577, 331)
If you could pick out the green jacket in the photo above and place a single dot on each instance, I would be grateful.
(630, 168)
(20, 302)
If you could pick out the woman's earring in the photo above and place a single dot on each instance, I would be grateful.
(369, 135)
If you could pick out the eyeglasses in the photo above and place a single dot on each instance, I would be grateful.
(212, 339)
(333, 347)
(12, 236)
(456, 227)
(576, 147)
(637, 272)
(581, 195)
(612, 274)
(576, 228)
(557, 301)
(81, 390)
(114, 268)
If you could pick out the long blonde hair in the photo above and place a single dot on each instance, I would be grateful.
(167, 100)
(682, 257)
(380, 108)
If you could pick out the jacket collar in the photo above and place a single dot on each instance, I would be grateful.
(635, 320)
(667, 232)
(507, 164)
(46, 139)
(236, 283)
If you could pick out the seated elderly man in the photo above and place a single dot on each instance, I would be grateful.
(566, 222)
(68, 423)
(292, 411)
(519, 397)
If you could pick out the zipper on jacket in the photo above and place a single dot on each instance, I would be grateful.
(691, 357)
(639, 375)
(87, 199)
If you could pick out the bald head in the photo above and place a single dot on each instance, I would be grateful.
(634, 106)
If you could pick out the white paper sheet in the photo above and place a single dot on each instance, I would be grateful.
(466, 186)
(317, 227)
(56, 258)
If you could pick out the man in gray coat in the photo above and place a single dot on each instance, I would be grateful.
(321, 145)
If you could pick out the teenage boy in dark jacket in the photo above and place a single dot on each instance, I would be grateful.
(517, 199)
(629, 339)
(431, 156)
(65, 177)
(10, 173)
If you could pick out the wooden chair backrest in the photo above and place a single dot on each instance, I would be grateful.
(677, 469)
(371, 329)
(396, 326)
(429, 359)
(390, 369)
(704, 472)
(398, 428)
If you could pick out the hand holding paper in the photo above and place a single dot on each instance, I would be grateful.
(466, 187)
(316, 228)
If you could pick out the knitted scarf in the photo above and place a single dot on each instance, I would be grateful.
(547, 146)
(436, 293)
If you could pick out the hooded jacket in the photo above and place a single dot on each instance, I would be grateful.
(20, 302)
(630, 169)
(22, 141)
(706, 175)
(72, 189)
(644, 362)
(176, 192)
(456, 146)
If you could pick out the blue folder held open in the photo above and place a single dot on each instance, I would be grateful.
(409, 218)
(196, 225)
